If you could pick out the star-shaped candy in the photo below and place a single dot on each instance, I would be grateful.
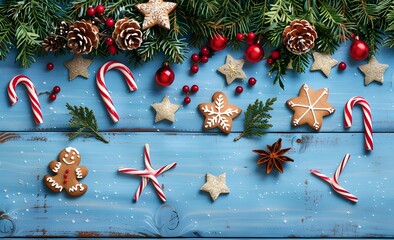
(165, 110)
(373, 71)
(148, 174)
(310, 107)
(232, 69)
(323, 62)
(78, 66)
(219, 113)
(215, 185)
(156, 13)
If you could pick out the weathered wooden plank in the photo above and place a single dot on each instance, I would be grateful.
(136, 114)
(278, 205)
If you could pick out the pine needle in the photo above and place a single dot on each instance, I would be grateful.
(83, 119)
(256, 118)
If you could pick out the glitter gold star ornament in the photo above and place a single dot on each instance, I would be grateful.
(323, 62)
(232, 69)
(215, 185)
(156, 13)
(165, 110)
(373, 71)
(78, 66)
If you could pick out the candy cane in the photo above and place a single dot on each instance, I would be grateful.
(334, 180)
(367, 118)
(104, 90)
(31, 89)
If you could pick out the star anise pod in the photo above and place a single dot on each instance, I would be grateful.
(274, 156)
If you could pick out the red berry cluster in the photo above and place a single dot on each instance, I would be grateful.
(249, 37)
(199, 58)
(99, 9)
(275, 54)
(252, 81)
(188, 90)
(55, 91)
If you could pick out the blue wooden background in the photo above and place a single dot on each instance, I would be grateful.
(295, 203)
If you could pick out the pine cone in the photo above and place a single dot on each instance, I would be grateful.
(127, 34)
(63, 29)
(299, 37)
(53, 43)
(82, 37)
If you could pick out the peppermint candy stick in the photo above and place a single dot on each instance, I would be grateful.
(334, 180)
(367, 118)
(128, 75)
(32, 92)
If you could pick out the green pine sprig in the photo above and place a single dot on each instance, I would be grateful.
(83, 119)
(256, 118)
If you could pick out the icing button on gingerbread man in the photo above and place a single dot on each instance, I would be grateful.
(68, 172)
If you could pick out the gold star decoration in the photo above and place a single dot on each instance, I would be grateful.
(156, 13)
(78, 66)
(373, 71)
(165, 110)
(215, 185)
(323, 62)
(232, 69)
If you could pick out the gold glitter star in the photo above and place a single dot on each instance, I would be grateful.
(156, 13)
(373, 71)
(165, 110)
(215, 185)
(78, 66)
(232, 69)
(323, 62)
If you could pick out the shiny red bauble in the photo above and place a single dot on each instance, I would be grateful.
(342, 66)
(254, 53)
(100, 9)
(91, 11)
(165, 76)
(218, 42)
(359, 50)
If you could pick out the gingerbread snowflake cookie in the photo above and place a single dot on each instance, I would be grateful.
(310, 107)
(219, 113)
(67, 172)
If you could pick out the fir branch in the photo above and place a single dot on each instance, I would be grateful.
(83, 119)
(256, 118)
(279, 67)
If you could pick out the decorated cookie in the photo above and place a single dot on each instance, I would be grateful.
(215, 185)
(310, 107)
(67, 172)
(219, 113)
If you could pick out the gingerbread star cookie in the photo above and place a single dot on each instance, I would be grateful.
(219, 113)
(156, 13)
(323, 62)
(165, 110)
(78, 66)
(310, 107)
(232, 69)
(215, 185)
(373, 71)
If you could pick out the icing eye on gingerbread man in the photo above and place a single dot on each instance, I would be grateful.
(70, 156)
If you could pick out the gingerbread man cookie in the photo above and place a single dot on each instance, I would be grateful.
(68, 172)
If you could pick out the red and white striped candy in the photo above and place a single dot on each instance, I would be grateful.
(148, 174)
(334, 180)
(128, 75)
(367, 118)
(32, 92)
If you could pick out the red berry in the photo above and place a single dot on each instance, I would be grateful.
(50, 66)
(239, 89)
(252, 81)
(251, 36)
(270, 61)
(100, 9)
(112, 50)
(275, 54)
(52, 97)
(194, 68)
(249, 41)
(109, 41)
(205, 51)
(195, 57)
(110, 22)
(204, 59)
(187, 100)
(91, 11)
(185, 89)
(56, 89)
(239, 36)
(195, 88)
(342, 66)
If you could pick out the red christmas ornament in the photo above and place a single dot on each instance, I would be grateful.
(100, 9)
(204, 59)
(359, 50)
(194, 68)
(112, 50)
(239, 89)
(270, 61)
(254, 53)
(56, 89)
(52, 97)
(205, 51)
(164, 75)
(194, 88)
(187, 100)
(342, 66)
(218, 42)
(185, 89)
(91, 11)
(109, 41)
(50, 66)
(110, 22)
(239, 36)
(195, 57)
(275, 54)
(252, 81)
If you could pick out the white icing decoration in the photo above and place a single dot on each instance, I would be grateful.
(216, 115)
(75, 188)
(54, 184)
(57, 167)
(69, 149)
(72, 157)
(66, 155)
(68, 163)
(78, 172)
